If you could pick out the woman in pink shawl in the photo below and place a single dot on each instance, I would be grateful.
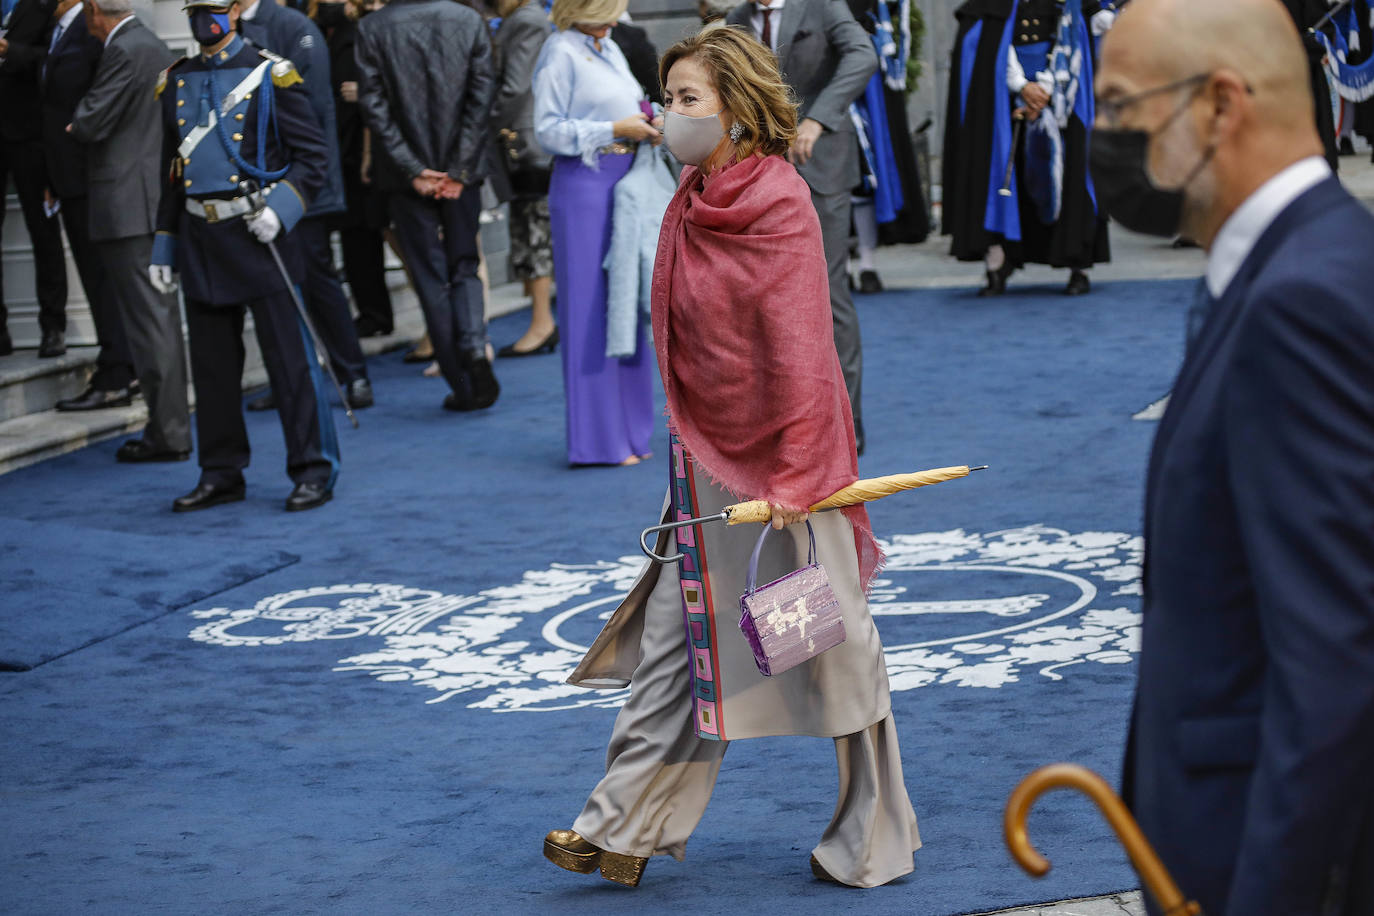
(757, 409)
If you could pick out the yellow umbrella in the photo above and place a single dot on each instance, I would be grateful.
(861, 491)
(1153, 874)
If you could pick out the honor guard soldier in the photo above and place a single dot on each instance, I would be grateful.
(236, 118)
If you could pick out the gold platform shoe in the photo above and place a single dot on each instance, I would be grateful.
(566, 849)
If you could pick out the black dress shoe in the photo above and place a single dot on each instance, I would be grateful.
(1078, 284)
(869, 282)
(1347, 147)
(52, 344)
(95, 399)
(308, 496)
(482, 384)
(136, 451)
(547, 345)
(263, 402)
(206, 495)
(6, 342)
(366, 327)
(360, 393)
(997, 281)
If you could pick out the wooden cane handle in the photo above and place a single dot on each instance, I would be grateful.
(1153, 874)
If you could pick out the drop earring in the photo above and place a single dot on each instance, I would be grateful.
(736, 131)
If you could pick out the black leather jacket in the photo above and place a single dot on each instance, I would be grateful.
(425, 86)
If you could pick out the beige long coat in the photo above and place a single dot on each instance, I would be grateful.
(839, 692)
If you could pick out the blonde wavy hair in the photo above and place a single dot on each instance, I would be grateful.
(745, 74)
(568, 13)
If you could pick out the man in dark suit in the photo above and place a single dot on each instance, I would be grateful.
(120, 123)
(23, 45)
(288, 32)
(827, 58)
(1251, 757)
(67, 74)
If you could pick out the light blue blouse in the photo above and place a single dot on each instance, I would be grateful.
(579, 93)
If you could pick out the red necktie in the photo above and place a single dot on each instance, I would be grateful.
(767, 37)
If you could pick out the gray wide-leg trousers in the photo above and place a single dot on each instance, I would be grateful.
(659, 774)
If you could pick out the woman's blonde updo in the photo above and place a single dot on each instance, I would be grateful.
(746, 77)
(568, 13)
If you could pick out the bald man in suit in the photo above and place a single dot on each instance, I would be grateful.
(1252, 738)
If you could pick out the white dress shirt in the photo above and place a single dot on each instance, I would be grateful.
(579, 94)
(65, 23)
(774, 21)
(118, 25)
(1244, 227)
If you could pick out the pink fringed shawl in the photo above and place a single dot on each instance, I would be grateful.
(742, 328)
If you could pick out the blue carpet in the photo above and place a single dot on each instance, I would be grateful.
(381, 727)
(66, 586)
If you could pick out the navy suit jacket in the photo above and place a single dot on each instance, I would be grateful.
(1251, 759)
(66, 75)
(291, 34)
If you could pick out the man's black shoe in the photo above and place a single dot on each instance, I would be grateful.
(95, 399)
(136, 451)
(264, 402)
(308, 496)
(359, 393)
(206, 495)
(6, 342)
(870, 282)
(366, 327)
(485, 388)
(52, 344)
(1078, 284)
(1347, 147)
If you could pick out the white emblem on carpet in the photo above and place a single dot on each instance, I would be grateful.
(1027, 602)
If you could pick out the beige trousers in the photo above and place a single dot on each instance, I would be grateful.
(659, 774)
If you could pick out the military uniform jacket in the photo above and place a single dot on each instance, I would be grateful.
(213, 120)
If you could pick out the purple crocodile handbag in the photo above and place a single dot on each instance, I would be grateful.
(790, 619)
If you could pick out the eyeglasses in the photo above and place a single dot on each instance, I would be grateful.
(1110, 110)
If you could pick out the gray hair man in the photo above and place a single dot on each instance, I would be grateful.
(119, 120)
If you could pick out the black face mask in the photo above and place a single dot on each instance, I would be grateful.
(330, 15)
(209, 25)
(1119, 160)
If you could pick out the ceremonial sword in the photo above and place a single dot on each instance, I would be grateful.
(255, 199)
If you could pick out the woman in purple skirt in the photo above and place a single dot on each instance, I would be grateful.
(587, 113)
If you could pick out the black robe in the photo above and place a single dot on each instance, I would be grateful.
(1307, 13)
(912, 224)
(1079, 238)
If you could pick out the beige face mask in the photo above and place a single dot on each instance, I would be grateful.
(689, 139)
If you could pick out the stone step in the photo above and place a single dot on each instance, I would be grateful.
(31, 385)
(31, 431)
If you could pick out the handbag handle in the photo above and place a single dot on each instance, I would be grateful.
(758, 549)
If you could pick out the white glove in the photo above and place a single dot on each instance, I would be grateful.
(163, 278)
(265, 225)
(1102, 22)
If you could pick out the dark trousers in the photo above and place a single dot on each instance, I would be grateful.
(114, 366)
(152, 321)
(364, 261)
(834, 211)
(216, 332)
(24, 160)
(324, 297)
(439, 241)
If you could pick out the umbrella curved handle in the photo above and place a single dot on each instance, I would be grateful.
(1153, 874)
(673, 526)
